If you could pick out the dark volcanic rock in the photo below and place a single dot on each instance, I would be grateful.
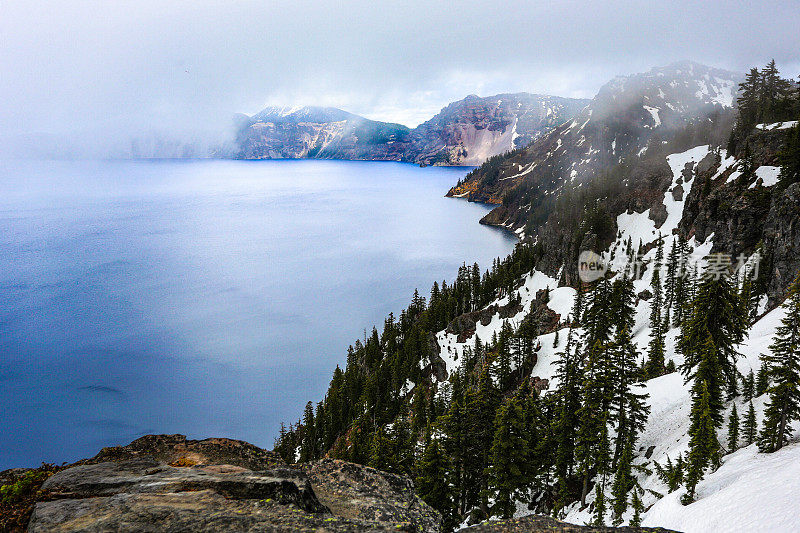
(545, 524)
(363, 493)
(223, 485)
(782, 242)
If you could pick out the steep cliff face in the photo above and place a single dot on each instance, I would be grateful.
(466, 132)
(631, 117)
(320, 133)
(472, 130)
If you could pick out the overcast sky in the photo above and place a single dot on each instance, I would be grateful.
(117, 65)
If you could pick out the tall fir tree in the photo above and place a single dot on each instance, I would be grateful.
(309, 442)
(509, 453)
(591, 443)
(716, 310)
(655, 357)
(733, 430)
(432, 480)
(703, 444)
(749, 426)
(783, 374)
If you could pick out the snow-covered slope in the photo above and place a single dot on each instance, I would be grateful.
(751, 491)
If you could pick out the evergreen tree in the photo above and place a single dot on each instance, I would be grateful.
(599, 517)
(623, 481)
(482, 403)
(509, 453)
(733, 430)
(680, 292)
(762, 379)
(703, 444)
(309, 443)
(638, 509)
(655, 358)
(592, 449)
(555, 340)
(789, 159)
(716, 310)
(749, 386)
(432, 481)
(749, 426)
(564, 425)
(670, 282)
(783, 374)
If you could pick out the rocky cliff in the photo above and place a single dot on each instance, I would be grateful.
(466, 132)
(167, 483)
(319, 133)
(472, 130)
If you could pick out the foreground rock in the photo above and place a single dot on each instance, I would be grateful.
(166, 483)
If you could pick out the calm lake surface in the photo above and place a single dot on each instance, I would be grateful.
(209, 298)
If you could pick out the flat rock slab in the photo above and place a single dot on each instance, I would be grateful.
(165, 483)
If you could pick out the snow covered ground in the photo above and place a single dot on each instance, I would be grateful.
(751, 491)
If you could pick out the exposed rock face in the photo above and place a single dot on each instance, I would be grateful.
(165, 483)
(782, 242)
(545, 524)
(320, 133)
(628, 117)
(466, 132)
(364, 494)
(474, 129)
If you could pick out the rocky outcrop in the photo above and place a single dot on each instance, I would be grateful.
(320, 133)
(629, 118)
(470, 131)
(168, 483)
(782, 242)
(466, 132)
(545, 524)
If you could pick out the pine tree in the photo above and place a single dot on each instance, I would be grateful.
(509, 453)
(733, 430)
(783, 374)
(623, 480)
(655, 358)
(789, 159)
(577, 307)
(749, 386)
(599, 517)
(762, 379)
(716, 310)
(555, 340)
(308, 445)
(432, 481)
(638, 509)
(591, 445)
(703, 444)
(565, 421)
(749, 426)
(482, 403)
(680, 292)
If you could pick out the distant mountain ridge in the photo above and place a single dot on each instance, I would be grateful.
(465, 132)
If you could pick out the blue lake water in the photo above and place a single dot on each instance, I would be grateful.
(209, 298)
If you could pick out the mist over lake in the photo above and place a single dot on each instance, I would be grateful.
(210, 298)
